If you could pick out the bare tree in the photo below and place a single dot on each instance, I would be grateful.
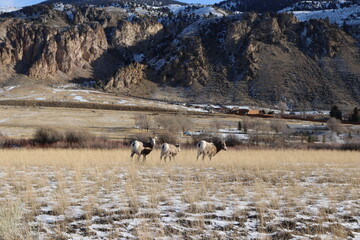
(143, 121)
(171, 123)
(156, 121)
(184, 122)
(282, 133)
(283, 107)
(217, 124)
(334, 125)
(277, 126)
(248, 123)
(260, 133)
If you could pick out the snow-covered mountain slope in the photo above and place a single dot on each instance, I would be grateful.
(8, 9)
(344, 13)
(316, 5)
(348, 15)
(255, 5)
(108, 2)
(197, 9)
(165, 14)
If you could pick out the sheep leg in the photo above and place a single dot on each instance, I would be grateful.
(131, 156)
(198, 155)
(138, 158)
(203, 157)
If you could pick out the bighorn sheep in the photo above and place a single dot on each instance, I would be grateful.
(142, 148)
(169, 150)
(209, 148)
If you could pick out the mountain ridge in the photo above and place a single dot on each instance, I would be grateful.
(202, 53)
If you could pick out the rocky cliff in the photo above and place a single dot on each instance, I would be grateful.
(246, 58)
(41, 51)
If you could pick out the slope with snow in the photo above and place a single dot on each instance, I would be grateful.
(350, 15)
(8, 9)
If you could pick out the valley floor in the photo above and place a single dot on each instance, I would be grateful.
(87, 194)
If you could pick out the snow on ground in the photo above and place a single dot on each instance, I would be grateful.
(194, 28)
(59, 7)
(176, 8)
(194, 202)
(139, 57)
(207, 11)
(81, 99)
(8, 9)
(351, 15)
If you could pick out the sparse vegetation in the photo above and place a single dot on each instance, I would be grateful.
(63, 194)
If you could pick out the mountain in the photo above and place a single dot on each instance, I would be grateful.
(345, 14)
(255, 5)
(277, 5)
(183, 53)
(111, 2)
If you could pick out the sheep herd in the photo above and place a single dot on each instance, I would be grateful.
(204, 148)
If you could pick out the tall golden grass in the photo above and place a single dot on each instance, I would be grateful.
(275, 183)
(269, 159)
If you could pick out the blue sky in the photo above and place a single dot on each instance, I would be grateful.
(21, 3)
(18, 3)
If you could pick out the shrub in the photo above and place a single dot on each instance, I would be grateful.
(143, 137)
(350, 146)
(47, 136)
(231, 140)
(77, 137)
(167, 137)
(2, 140)
(207, 137)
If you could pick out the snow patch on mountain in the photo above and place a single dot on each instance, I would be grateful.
(8, 9)
(350, 15)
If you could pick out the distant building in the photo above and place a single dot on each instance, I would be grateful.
(254, 112)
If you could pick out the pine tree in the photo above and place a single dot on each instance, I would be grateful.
(355, 116)
(239, 125)
(336, 112)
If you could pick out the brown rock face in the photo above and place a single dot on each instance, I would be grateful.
(127, 76)
(42, 51)
(135, 34)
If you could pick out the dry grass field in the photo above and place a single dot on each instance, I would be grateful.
(88, 194)
(22, 122)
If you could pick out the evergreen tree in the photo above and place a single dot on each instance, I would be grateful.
(355, 116)
(336, 112)
(239, 126)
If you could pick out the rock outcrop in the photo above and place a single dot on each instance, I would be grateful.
(127, 76)
(41, 51)
(135, 34)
